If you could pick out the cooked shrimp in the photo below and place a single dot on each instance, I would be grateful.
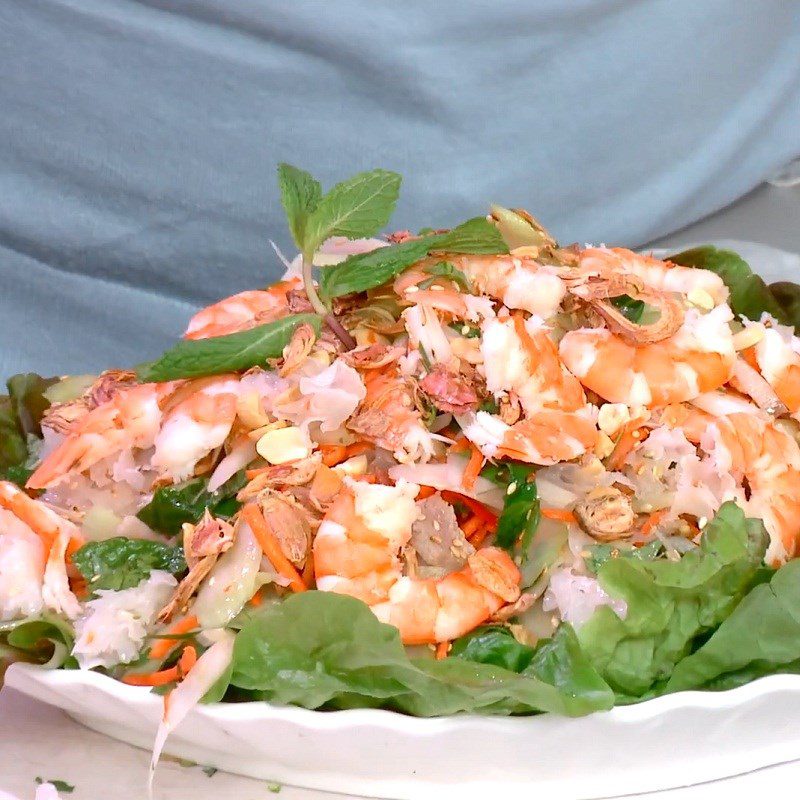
(544, 437)
(777, 357)
(241, 312)
(766, 459)
(131, 418)
(558, 424)
(698, 358)
(388, 416)
(56, 534)
(700, 286)
(197, 425)
(22, 563)
(357, 552)
(519, 282)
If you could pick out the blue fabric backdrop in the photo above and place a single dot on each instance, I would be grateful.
(138, 140)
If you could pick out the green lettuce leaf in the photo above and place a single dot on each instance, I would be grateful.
(324, 650)
(493, 644)
(173, 505)
(521, 511)
(760, 637)
(671, 603)
(47, 640)
(122, 563)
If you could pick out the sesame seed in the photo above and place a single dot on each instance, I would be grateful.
(512, 487)
(412, 289)
(465, 330)
(702, 522)
(437, 288)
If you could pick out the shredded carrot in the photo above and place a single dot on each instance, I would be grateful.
(161, 647)
(152, 678)
(187, 660)
(472, 526)
(473, 468)
(461, 445)
(442, 650)
(80, 588)
(476, 540)
(333, 454)
(558, 514)
(256, 471)
(357, 448)
(474, 506)
(653, 520)
(631, 436)
(425, 492)
(271, 546)
(257, 599)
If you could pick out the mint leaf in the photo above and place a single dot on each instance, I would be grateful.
(475, 236)
(368, 270)
(195, 358)
(300, 194)
(171, 506)
(122, 563)
(357, 207)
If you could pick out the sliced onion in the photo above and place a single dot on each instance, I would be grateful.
(238, 458)
(210, 667)
(231, 583)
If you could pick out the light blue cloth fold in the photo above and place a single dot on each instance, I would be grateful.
(138, 140)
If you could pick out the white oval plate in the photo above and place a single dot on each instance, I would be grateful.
(671, 741)
(677, 740)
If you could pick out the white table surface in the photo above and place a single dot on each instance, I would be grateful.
(36, 740)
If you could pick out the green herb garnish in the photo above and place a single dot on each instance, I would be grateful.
(368, 270)
(235, 352)
(173, 505)
(520, 516)
(122, 563)
(636, 310)
(355, 208)
(61, 786)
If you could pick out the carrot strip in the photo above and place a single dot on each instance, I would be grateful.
(333, 454)
(257, 599)
(425, 492)
(441, 650)
(558, 514)
(357, 448)
(477, 538)
(653, 520)
(160, 649)
(473, 468)
(187, 660)
(152, 678)
(631, 436)
(271, 546)
(474, 506)
(472, 526)
(461, 445)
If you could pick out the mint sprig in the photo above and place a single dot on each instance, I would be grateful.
(355, 208)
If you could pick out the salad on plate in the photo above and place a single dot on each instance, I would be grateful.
(465, 470)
